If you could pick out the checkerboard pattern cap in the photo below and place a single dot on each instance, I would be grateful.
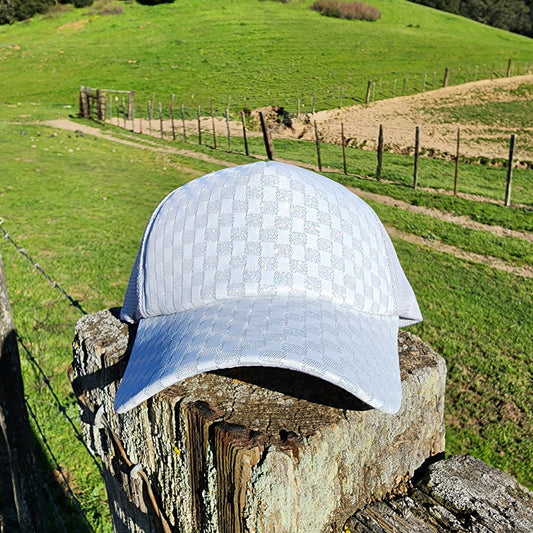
(267, 264)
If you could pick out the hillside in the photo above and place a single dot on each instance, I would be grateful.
(267, 52)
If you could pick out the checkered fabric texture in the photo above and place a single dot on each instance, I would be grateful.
(265, 264)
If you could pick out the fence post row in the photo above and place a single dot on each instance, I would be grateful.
(86, 94)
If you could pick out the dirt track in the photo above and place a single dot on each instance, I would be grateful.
(401, 115)
(147, 144)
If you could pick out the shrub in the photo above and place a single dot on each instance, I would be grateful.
(154, 2)
(107, 7)
(346, 10)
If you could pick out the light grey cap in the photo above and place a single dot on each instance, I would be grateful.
(267, 264)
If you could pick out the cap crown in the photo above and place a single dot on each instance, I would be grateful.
(266, 229)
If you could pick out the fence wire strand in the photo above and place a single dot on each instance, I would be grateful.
(62, 409)
(58, 466)
(37, 267)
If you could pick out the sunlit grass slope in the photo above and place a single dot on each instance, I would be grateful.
(266, 52)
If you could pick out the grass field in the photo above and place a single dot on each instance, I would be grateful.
(266, 52)
(78, 204)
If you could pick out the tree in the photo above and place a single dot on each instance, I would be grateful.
(512, 15)
(13, 10)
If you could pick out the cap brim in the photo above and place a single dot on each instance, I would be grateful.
(353, 350)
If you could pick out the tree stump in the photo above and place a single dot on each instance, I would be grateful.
(250, 449)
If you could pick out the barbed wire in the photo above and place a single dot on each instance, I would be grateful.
(37, 267)
(62, 409)
(57, 466)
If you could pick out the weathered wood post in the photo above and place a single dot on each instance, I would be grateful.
(509, 171)
(172, 118)
(343, 141)
(183, 123)
(213, 127)
(250, 449)
(317, 144)
(380, 153)
(417, 154)
(228, 128)
(446, 76)
(131, 104)
(457, 155)
(19, 480)
(368, 88)
(269, 147)
(84, 103)
(199, 124)
(245, 139)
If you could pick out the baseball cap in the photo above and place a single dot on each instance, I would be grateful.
(266, 264)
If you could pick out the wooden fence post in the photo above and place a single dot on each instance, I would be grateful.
(199, 125)
(140, 119)
(172, 117)
(183, 123)
(509, 171)
(131, 104)
(213, 127)
(243, 115)
(456, 177)
(81, 102)
(161, 119)
(228, 128)
(19, 483)
(343, 141)
(269, 147)
(509, 63)
(368, 88)
(417, 153)
(100, 105)
(249, 449)
(317, 143)
(446, 75)
(380, 152)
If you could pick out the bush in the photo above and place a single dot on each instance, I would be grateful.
(106, 7)
(13, 10)
(346, 10)
(154, 2)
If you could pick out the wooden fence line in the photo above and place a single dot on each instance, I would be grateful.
(86, 95)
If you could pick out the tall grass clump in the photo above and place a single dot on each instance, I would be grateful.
(346, 10)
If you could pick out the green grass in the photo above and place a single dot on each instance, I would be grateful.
(78, 206)
(272, 53)
(68, 201)
(512, 251)
(479, 320)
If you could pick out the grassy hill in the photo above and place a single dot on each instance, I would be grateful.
(266, 52)
(67, 198)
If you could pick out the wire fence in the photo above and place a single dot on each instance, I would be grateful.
(107, 103)
(330, 149)
(70, 422)
(234, 128)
